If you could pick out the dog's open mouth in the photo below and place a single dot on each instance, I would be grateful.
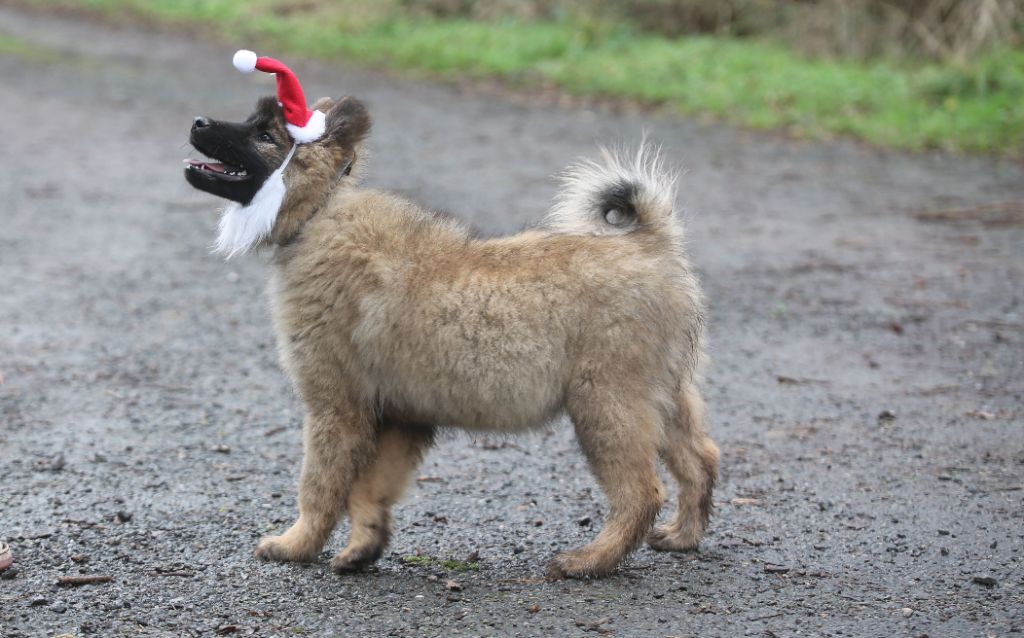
(218, 170)
(229, 165)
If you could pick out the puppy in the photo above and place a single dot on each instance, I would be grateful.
(393, 321)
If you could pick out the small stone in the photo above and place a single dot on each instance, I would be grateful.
(124, 516)
(222, 449)
(57, 463)
(453, 585)
(907, 612)
(59, 608)
(584, 522)
(518, 549)
(886, 416)
(985, 581)
(534, 608)
(39, 602)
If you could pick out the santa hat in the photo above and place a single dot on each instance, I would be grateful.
(303, 124)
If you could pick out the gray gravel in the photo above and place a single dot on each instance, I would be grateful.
(866, 385)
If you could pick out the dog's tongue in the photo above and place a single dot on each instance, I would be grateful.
(215, 167)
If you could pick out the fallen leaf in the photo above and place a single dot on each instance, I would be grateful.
(980, 414)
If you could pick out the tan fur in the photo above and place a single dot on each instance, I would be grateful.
(391, 320)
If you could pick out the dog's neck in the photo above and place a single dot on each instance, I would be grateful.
(301, 205)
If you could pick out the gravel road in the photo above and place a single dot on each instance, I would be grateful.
(866, 385)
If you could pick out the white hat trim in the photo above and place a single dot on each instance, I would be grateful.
(314, 128)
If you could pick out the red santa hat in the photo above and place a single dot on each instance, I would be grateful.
(303, 124)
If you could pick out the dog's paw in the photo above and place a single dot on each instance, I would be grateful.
(668, 538)
(354, 559)
(577, 564)
(282, 548)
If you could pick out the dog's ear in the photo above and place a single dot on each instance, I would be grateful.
(323, 104)
(348, 122)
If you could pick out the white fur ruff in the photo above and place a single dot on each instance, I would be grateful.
(243, 227)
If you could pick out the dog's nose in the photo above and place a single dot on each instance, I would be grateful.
(200, 122)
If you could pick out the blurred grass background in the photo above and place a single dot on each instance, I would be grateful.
(913, 74)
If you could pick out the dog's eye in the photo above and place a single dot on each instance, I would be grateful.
(266, 137)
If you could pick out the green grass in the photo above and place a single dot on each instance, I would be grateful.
(757, 84)
(450, 564)
(27, 50)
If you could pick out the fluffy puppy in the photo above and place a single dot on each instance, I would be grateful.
(393, 321)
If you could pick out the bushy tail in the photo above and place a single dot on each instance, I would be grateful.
(619, 194)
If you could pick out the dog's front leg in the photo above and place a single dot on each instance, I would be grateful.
(337, 442)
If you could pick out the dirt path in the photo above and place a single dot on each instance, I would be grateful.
(866, 388)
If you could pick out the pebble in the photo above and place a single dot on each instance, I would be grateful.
(985, 581)
(907, 612)
(58, 463)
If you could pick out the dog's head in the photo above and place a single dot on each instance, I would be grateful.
(245, 154)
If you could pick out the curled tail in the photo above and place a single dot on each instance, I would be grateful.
(619, 194)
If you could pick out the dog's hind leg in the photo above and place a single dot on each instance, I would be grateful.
(337, 442)
(692, 459)
(379, 486)
(619, 438)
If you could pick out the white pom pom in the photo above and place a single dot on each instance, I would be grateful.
(244, 60)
